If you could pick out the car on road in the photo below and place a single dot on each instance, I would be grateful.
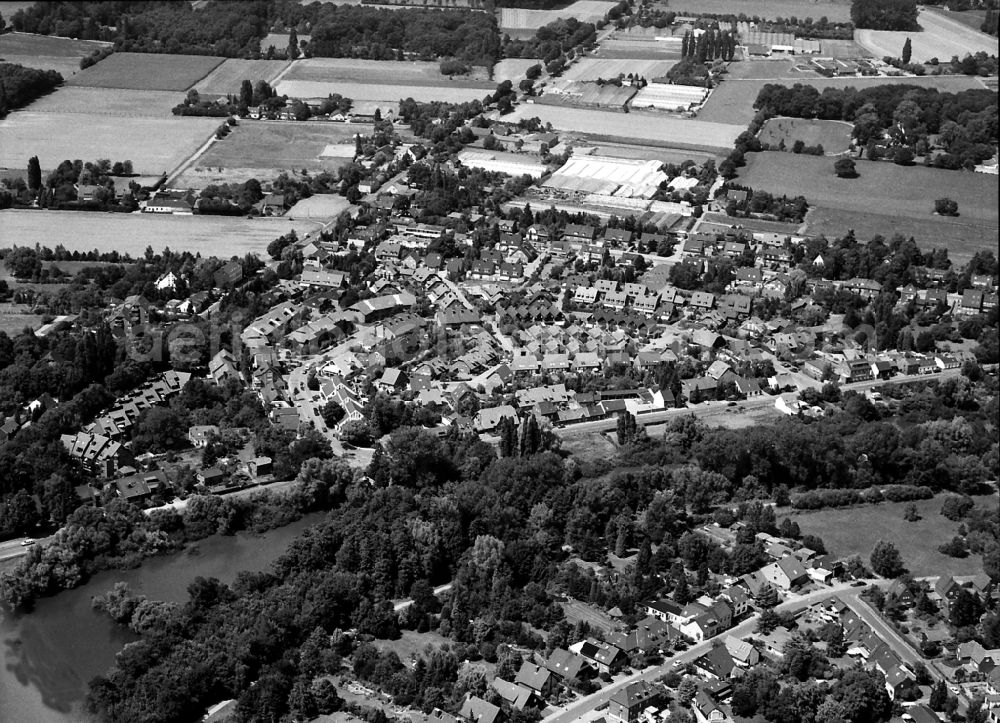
(27, 542)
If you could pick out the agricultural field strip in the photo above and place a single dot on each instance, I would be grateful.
(942, 38)
(381, 72)
(147, 71)
(769, 9)
(379, 91)
(583, 10)
(107, 102)
(594, 68)
(228, 77)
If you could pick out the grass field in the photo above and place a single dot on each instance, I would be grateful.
(596, 618)
(732, 101)
(322, 206)
(855, 531)
(970, 18)
(834, 136)
(227, 77)
(147, 71)
(108, 101)
(13, 324)
(381, 91)
(45, 52)
(513, 69)
(279, 146)
(383, 72)
(586, 11)
(639, 126)
(645, 153)
(834, 10)
(154, 145)
(411, 644)
(131, 233)
(942, 37)
(892, 198)
(607, 68)
(638, 50)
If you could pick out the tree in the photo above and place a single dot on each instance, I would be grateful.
(911, 514)
(886, 560)
(845, 168)
(34, 174)
(946, 207)
(902, 156)
(907, 52)
(246, 93)
(965, 609)
(332, 413)
(939, 696)
(293, 45)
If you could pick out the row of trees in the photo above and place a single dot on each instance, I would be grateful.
(19, 86)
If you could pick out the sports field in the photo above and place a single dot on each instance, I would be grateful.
(45, 51)
(228, 77)
(383, 72)
(652, 127)
(855, 532)
(154, 145)
(131, 233)
(586, 11)
(147, 71)
(834, 10)
(884, 199)
(732, 101)
(834, 136)
(108, 102)
(263, 148)
(608, 68)
(942, 37)
(381, 91)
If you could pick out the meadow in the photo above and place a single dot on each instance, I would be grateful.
(834, 10)
(732, 100)
(834, 136)
(147, 71)
(513, 69)
(941, 37)
(586, 11)
(382, 91)
(624, 47)
(228, 77)
(638, 126)
(856, 530)
(131, 233)
(46, 52)
(262, 149)
(884, 199)
(383, 72)
(154, 145)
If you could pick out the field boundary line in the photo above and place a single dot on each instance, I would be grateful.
(210, 71)
(177, 172)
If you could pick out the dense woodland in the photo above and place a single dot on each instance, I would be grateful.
(19, 86)
(963, 125)
(885, 14)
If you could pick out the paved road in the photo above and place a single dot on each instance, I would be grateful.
(580, 708)
(403, 604)
(12, 549)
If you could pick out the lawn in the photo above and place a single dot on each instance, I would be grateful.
(13, 324)
(147, 71)
(384, 72)
(942, 37)
(108, 101)
(228, 77)
(651, 128)
(894, 198)
(411, 644)
(45, 51)
(834, 10)
(855, 531)
(131, 233)
(279, 146)
(834, 136)
(732, 101)
(154, 145)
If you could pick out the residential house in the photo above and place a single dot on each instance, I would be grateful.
(477, 710)
(785, 574)
(947, 589)
(487, 420)
(564, 664)
(199, 434)
(707, 710)
(742, 652)
(536, 678)
(602, 657)
(629, 702)
(516, 696)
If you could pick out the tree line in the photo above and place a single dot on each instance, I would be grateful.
(20, 86)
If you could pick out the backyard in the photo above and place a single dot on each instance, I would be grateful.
(855, 532)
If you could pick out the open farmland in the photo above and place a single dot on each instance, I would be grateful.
(834, 136)
(383, 72)
(732, 101)
(607, 68)
(586, 11)
(942, 37)
(262, 149)
(107, 102)
(147, 71)
(856, 530)
(834, 10)
(884, 199)
(46, 52)
(513, 69)
(652, 128)
(381, 91)
(228, 76)
(639, 49)
(154, 145)
(131, 233)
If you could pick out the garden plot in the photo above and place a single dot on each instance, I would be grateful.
(147, 71)
(228, 77)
